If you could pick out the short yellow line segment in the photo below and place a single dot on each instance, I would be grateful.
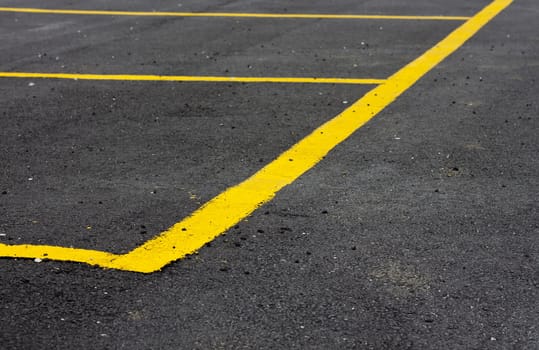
(234, 204)
(183, 78)
(227, 14)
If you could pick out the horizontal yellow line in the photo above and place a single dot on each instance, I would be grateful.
(227, 14)
(91, 257)
(191, 78)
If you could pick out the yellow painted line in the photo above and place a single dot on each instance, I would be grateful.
(235, 203)
(91, 257)
(306, 80)
(228, 14)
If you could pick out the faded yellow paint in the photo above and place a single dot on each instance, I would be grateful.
(234, 204)
(185, 78)
(227, 14)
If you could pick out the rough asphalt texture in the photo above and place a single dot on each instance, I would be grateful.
(420, 231)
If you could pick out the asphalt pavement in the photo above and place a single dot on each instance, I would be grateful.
(419, 231)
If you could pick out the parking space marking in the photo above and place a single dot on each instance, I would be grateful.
(228, 14)
(88, 256)
(185, 78)
(237, 202)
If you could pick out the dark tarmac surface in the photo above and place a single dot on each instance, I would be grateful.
(420, 231)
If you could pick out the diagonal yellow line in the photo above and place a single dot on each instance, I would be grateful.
(186, 78)
(227, 14)
(234, 204)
